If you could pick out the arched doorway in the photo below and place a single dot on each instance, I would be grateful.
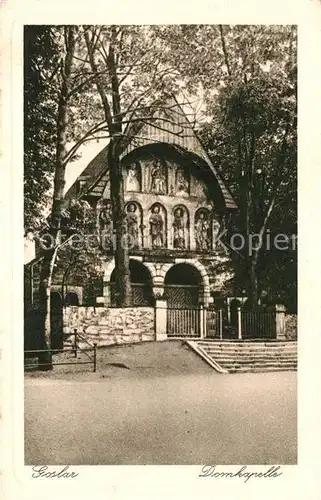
(141, 281)
(183, 289)
(56, 320)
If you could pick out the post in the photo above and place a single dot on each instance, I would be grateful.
(229, 310)
(95, 357)
(220, 314)
(161, 319)
(75, 342)
(280, 322)
(202, 329)
(239, 323)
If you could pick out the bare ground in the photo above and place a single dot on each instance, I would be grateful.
(166, 407)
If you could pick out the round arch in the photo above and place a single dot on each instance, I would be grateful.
(183, 286)
(204, 294)
(141, 281)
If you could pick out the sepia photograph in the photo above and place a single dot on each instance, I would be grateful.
(160, 245)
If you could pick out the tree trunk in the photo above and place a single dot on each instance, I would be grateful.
(45, 358)
(113, 121)
(123, 284)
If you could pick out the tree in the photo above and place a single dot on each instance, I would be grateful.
(252, 138)
(134, 79)
(41, 54)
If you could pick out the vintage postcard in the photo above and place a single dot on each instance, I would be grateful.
(159, 199)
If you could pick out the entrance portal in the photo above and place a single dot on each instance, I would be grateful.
(183, 285)
(141, 284)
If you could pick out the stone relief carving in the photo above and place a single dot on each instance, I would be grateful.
(182, 182)
(133, 224)
(157, 227)
(203, 236)
(179, 228)
(133, 180)
(158, 178)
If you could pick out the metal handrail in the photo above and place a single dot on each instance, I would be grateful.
(83, 338)
(92, 346)
(93, 359)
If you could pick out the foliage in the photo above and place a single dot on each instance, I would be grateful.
(121, 76)
(40, 107)
(252, 141)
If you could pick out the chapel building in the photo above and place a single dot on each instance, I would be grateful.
(176, 204)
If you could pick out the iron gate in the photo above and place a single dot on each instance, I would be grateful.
(183, 322)
(183, 311)
(258, 324)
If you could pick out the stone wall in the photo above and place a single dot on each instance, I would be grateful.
(106, 326)
(291, 326)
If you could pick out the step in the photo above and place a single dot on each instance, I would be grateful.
(251, 361)
(229, 366)
(249, 348)
(246, 347)
(255, 345)
(252, 355)
(262, 370)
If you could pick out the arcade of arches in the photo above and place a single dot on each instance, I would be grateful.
(181, 284)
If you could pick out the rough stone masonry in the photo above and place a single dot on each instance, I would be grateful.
(106, 326)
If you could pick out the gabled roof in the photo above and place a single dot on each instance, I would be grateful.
(169, 124)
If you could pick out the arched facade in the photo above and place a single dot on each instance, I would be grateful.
(174, 204)
(157, 274)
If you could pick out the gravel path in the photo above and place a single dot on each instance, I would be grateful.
(178, 416)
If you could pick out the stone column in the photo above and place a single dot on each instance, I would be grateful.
(107, 294)
(161, 319)
(280, 321)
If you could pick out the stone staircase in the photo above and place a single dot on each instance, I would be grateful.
(243, 357)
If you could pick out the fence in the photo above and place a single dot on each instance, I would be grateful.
(90, 352)
(213, 323)
(257, 324)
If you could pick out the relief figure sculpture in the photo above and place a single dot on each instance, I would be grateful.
(202, 232)
(182, 183)
(132, 226)
(179, 229)
(158, 178)
(133, 178)
(156, 223)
